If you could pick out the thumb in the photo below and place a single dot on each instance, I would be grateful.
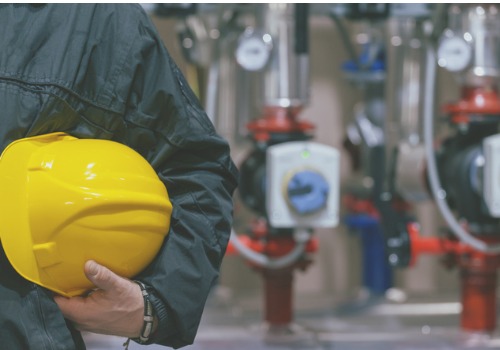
(101, 277)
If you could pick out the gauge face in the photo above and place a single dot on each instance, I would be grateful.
(454, 54)
(253, 51)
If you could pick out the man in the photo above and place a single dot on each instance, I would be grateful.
(101, 71)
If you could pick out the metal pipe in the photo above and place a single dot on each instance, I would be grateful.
(481, 28)
(403, 125)
(286, 78)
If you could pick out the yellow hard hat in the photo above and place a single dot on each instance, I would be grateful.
(66, 200)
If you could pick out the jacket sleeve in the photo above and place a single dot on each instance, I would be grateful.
(166, 124)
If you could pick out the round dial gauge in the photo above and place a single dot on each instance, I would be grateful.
(454, 54)
(253, 50)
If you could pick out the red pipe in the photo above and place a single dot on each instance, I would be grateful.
(474, 101)
(479, 281)
(272, 247)
(278, 120)
(435, 245)
(278, 296)
(478, 277)
(278, 283)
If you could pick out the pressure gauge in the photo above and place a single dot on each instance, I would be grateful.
(454, 53)
(253, 50)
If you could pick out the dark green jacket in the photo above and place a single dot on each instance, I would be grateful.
(101, 71)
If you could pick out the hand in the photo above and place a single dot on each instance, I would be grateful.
(116, 307)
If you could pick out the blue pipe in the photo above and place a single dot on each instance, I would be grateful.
(377, 273)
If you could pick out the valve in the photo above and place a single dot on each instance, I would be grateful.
(302, 185)
(307, 192)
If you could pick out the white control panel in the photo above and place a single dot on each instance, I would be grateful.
(302, 185)
(491, 174)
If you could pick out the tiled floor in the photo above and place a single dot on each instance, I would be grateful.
(368, 324)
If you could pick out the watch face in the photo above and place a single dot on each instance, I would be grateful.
(454, 54)
(253, 50)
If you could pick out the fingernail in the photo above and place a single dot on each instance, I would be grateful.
(92, 267)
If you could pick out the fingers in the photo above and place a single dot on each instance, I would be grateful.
(70, 307)
(76, 310)
(102, 277)
(115, 307)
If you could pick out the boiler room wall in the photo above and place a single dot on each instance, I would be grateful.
(335, 272)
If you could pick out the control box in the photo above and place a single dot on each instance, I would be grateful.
(302, 185)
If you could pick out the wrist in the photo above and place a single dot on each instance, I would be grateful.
(150, 320)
